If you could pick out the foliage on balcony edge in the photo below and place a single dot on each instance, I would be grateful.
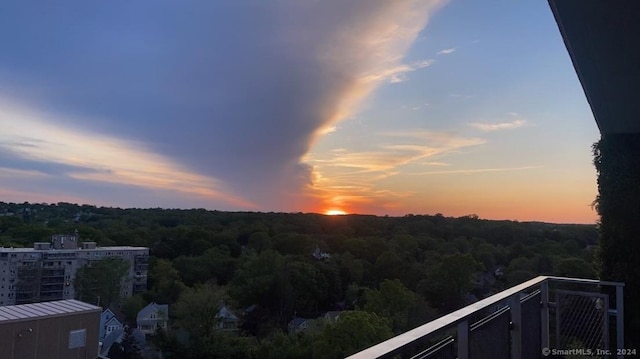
(617, 161)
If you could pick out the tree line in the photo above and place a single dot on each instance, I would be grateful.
(385, 275)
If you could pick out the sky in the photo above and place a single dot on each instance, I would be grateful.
(354, 106)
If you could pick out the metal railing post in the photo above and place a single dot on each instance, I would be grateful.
(463, 340)
(620, 318)
(516, 326)
(544, 313)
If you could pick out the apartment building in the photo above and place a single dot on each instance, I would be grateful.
(46, 271)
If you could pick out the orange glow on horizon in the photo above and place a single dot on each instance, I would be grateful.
(335, 212)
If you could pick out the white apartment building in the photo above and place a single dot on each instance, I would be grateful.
(46, 271)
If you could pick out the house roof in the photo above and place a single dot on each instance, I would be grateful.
(71, 250)
(114, 336)
(250, 308)
(118, 336)
(107, 314)
(25, 312)
(332, 315)
(226, 315)
(152, 308)
(110, 313)
(296, 322)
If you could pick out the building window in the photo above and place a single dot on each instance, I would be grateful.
(77, 338)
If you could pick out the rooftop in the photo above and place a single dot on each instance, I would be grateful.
(27, 250)
(23, 312)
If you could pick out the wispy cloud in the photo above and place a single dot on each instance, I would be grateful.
(446, 51)
(19, 173)
(473, 171)
(436, 164)
(450, 139)
(398, 73)
(94, 157)
(406, 147)
(327, 130)
(359, 196)
(356, 175)
(499, 125)
(415, 107)
(423, 63)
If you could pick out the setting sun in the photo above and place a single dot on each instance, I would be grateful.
(335, 212)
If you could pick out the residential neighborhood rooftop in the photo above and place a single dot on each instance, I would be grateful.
(30, 249)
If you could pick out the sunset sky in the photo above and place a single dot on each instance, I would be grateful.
(360, 106)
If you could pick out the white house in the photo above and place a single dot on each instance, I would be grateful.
(332, 316)
(108, 324)
(111, 331)
(227, 320)
(152, 317)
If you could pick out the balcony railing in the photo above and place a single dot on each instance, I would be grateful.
(543, 316)
(52, 273)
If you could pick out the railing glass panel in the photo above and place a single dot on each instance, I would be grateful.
(532, 326)
(490, 338)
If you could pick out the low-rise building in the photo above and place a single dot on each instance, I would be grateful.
(46, 272)
(52, 330)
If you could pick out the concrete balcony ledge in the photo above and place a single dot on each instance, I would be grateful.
(520, 322)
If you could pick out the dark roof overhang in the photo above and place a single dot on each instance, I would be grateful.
(603, 40)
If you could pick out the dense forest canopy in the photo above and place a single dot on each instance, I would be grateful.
(393, 273)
